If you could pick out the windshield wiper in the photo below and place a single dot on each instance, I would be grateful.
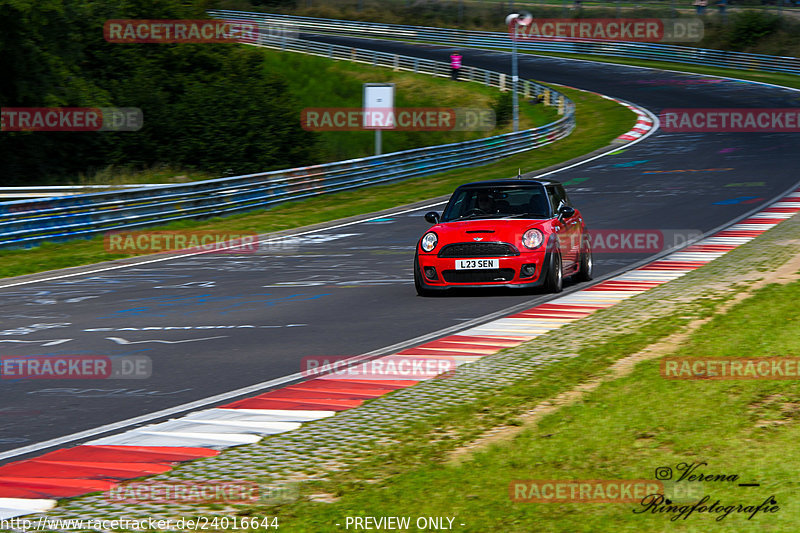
(476, 215)
(522, 215)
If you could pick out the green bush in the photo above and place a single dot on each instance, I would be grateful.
(749, 27)
(503, 107)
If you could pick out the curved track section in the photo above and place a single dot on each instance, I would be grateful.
(216, 323)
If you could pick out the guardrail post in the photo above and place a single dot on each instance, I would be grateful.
(561, 105)
(527, 87)
(503, 82)
(396, 62)
(330, 51)
(547, 97)
(353, 54)
(487, 78)
(416, 65)
(374, 58)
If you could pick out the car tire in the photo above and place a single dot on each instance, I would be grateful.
(555, 273)
(421, 290)
(586, 265)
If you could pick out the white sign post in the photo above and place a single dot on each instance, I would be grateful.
(378, 109)
(514, 20)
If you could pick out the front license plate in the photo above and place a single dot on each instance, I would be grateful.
(474, 264)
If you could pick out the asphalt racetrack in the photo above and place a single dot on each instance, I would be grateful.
(216, 323)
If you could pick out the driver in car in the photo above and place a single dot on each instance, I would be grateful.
(485, 203)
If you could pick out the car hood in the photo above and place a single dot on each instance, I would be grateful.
(488, 230)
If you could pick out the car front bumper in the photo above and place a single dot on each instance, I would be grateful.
(509, 273)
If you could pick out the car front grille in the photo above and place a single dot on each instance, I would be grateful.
(478, 249)
(478, 276)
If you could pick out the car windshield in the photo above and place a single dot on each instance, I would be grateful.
(517, 201)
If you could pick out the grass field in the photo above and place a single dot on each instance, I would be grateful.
(624, 430)
(320, 82)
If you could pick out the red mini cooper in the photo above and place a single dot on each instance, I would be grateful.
(504, 233)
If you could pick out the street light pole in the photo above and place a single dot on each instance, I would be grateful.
(514, 78)
(513, 21)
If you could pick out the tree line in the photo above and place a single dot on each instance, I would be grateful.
(209, 107)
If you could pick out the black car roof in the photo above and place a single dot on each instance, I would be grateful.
(508, 183)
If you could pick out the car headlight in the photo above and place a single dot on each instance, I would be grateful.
(533, 238)
(429, 241)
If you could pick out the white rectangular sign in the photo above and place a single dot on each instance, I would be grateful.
(378, 101)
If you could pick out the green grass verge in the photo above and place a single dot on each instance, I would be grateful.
(625, 429)
(599, 121)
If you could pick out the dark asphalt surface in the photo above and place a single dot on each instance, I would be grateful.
(246, 319)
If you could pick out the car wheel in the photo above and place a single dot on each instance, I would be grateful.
(421, 290)
(586, 266)
(555, 274)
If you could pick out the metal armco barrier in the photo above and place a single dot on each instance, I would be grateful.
(48, 191)
(30, 222)
(501, 40)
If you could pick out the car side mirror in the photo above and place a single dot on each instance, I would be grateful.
(566, 211)
(432, 217)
